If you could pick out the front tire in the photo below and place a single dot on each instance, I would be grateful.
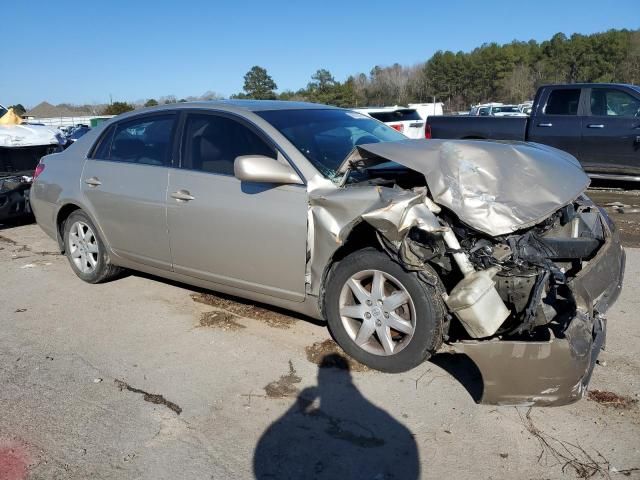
(85, 250)
(380, 314)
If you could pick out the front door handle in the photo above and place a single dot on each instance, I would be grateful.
(93, 181)
(595, 125)
(545, 124)
(182, 196)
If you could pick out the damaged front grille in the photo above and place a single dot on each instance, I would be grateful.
(531, 269)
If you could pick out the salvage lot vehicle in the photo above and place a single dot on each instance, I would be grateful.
(21, 147)
(598, 123)
(399, 244)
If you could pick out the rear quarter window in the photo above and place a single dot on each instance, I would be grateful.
(103, 145)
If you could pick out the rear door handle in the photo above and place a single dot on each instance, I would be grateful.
(595, 125)
(182, 196)
(93, 181)
(545, 124)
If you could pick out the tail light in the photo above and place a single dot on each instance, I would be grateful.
(427, 131)
(39, 170)
(399, 127)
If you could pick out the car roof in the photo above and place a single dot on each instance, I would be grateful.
(249, 105)
(587, 85)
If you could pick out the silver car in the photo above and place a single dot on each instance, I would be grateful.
(398, 244)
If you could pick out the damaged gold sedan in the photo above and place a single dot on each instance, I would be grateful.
(400, 245)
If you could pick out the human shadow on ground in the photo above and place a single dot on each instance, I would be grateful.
(333, 432)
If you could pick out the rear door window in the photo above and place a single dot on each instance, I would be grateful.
(145, 140)
(612, 102)
(563, 101)
(212, 143)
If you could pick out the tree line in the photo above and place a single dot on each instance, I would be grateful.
(510, 72)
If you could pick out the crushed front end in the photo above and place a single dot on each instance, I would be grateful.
(526, 264)
(558, 282)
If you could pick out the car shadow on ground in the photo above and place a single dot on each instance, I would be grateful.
(247, 304)
(332, 431)
(458, 365)
(17, 222)
(464, 370)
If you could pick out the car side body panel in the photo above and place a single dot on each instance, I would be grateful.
(247, 235)
(130, 205)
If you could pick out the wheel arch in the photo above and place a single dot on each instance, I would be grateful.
(361, 236)
(61, 217)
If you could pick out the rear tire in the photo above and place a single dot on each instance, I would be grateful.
(85, 250)
(380, 314)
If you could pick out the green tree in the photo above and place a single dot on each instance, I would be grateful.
(259, 85)
(116, 108)
(152, 102)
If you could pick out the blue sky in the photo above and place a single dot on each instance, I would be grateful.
(86, 51)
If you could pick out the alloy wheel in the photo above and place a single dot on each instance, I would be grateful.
(83, 247)
(377, 312)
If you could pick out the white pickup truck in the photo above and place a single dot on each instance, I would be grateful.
(21, 147)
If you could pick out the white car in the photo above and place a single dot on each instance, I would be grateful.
(496, 110)
(405, 120)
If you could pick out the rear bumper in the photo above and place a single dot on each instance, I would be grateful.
(555, 372)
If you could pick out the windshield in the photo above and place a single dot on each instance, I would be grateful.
(326, 137)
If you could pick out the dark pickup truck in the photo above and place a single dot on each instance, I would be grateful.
(597, 123)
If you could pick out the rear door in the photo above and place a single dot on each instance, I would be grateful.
(250, 236)
(558, 119)
(125, 183)
(611, 131)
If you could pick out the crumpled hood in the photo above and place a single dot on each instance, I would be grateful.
(25, 135)
(495, 187)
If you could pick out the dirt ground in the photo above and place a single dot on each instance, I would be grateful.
(144, 378)
(622, 202)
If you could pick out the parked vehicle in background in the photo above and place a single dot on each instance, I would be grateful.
(425, 110)
(333, 214)
(495, 110)
(76, 132)
(405, 120)
(598, 123)
(21, 147)
(526, 107)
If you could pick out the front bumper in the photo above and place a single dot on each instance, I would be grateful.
(555, 372)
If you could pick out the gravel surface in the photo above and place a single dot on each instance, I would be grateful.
(140, 378)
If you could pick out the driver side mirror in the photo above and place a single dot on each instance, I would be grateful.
(258, 168)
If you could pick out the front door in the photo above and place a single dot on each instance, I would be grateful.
(611, 133)
(558, 122)
(125, 185)
(250, 236)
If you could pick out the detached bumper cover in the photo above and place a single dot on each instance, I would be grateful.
(555, 372)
